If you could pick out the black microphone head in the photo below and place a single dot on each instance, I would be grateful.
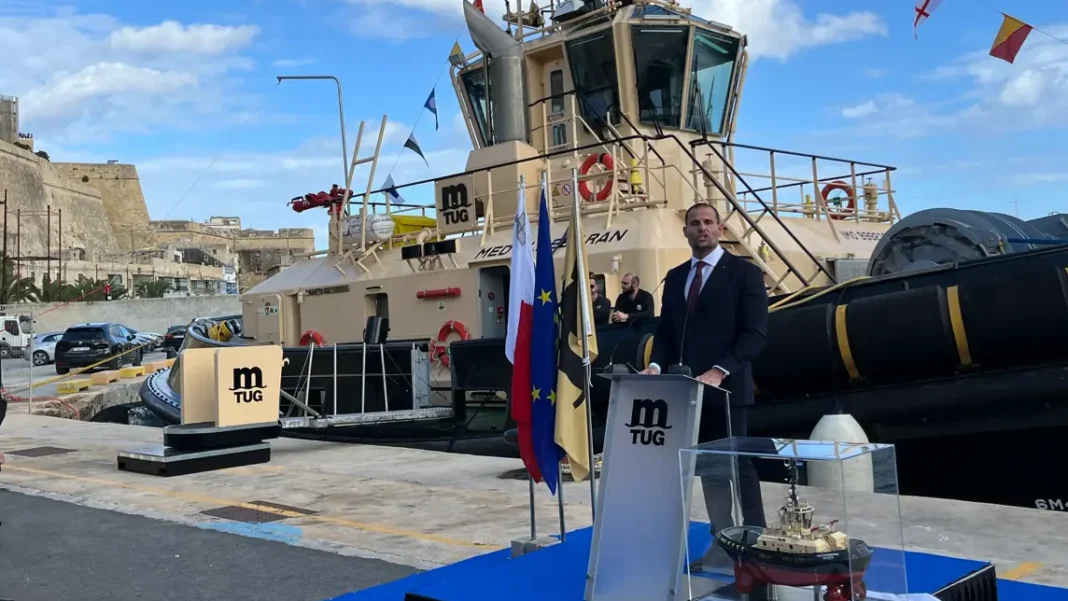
(681, 370)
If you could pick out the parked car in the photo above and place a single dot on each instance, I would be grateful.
(44, 348)
(86, 344)
(150, 340)
(174, 338)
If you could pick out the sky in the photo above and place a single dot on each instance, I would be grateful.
(187, 92)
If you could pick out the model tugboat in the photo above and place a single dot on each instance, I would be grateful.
(797, 553)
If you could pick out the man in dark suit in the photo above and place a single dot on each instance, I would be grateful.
(714, 312)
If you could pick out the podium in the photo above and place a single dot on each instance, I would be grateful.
(230, 404)
(637, 552)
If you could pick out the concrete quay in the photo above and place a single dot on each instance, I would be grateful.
(424, 509)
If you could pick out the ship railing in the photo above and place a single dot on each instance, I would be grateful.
(747, 225)
(804, 176)
(656, 176)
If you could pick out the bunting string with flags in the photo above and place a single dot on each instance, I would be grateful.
(923, 9)
(413, 146)
(1010, 38)
(432, 106)
(578, 349)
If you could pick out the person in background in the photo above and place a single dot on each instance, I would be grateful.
(602, 309)
(633, 303)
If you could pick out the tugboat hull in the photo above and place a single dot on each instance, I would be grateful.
(761, 566)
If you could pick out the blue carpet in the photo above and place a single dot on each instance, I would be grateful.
(558, 573)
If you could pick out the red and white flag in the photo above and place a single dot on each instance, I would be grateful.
(924, 8)
(520, 321)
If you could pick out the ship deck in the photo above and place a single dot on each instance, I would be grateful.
(413, 509)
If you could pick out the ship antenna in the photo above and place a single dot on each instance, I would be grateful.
(792, 463)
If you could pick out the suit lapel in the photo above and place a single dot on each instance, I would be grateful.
(717, 279)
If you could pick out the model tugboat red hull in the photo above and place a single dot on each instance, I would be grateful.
(842, 572)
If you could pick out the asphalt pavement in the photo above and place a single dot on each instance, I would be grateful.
(19, 372)
(52, 550)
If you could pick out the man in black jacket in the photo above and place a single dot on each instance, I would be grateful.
(713, 318)
(633, 303)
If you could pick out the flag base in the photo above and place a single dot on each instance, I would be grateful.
(523, 546)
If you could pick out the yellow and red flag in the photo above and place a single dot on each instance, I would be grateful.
(1010, 39)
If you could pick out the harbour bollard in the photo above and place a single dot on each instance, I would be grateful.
(841, 427)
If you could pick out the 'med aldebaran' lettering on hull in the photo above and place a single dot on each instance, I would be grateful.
(501, 250)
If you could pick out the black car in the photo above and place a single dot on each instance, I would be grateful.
(174, 338)
(87, 344)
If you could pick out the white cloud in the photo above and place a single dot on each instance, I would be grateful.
(294, 62)
(172, 36)
(776, 28)
(1030, 93)
(101, 78)
(875, 72)
(864, 109)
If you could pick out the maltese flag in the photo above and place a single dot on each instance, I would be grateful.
(924, 8)
(518, 343)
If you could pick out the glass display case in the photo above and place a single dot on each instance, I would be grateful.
(771, 518)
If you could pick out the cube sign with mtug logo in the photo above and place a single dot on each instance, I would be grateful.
(248, 383)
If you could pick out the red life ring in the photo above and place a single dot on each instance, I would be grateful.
(851, 206)
(584, 185)
(311, 335)
(437, 347)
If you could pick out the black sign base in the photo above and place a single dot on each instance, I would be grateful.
(159, 460)
(204, 436)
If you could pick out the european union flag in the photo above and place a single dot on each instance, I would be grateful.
(544, 339)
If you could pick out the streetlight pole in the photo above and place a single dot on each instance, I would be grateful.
(341, 114)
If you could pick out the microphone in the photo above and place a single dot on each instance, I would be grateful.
(622, 368)
(680, 369)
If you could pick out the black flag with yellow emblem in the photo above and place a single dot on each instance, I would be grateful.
(572, 406)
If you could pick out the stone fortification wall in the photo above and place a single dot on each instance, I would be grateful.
(297, 239)
(33, 184)
(120, 191)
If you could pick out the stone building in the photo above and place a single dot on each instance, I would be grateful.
(66, 220)
(254, 253)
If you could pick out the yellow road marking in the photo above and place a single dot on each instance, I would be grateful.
(220, 502)
(1023, 569)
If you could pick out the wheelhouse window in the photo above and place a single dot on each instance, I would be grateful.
(711, 74)
(593, 67)
(478, 99)
(660, 69)
(556, 90)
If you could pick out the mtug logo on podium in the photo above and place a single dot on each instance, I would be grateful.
(248, 384)
(648, 422)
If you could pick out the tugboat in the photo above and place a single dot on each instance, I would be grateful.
(796, 552)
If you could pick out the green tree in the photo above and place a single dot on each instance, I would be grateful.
(16, 289)
(55, 291)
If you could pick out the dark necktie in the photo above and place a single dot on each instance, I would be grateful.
(695, 288)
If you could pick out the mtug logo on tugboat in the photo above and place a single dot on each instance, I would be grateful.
(648, 422)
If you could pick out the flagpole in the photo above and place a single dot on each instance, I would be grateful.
(560, 499)
(533, 518)
(584, 301)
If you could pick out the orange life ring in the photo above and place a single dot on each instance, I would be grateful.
(584, 186)
(851, 206)
(311, 335)
(437, 347)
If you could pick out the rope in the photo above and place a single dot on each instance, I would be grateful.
(422, 109)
